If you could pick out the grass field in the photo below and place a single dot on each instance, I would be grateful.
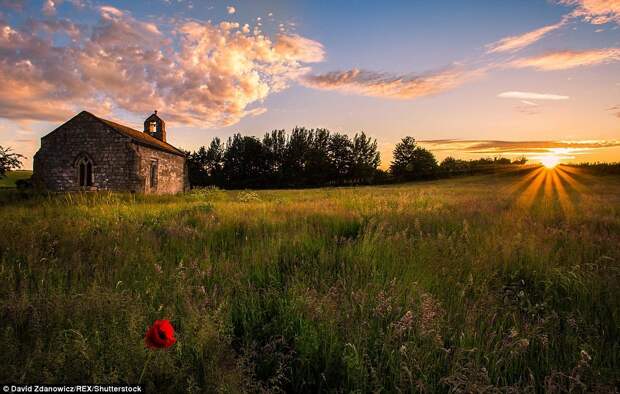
(13, 176)
(500, 283)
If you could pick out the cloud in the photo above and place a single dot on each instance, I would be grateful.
(514, 43)
(403, 87)
(15, 5)
(49, 7)
(596, 12)
(532, 96)
(230, 9)
(563, 60)
(198, 73)
(615, 109)
(517, 148)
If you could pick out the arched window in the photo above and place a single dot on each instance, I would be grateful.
(84, 167)
(152, 127)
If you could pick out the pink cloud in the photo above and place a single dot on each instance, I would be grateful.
(562, 60)
(514, 43)
(596, 12)
(210, 75)
(403, 87)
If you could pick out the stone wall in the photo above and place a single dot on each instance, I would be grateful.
(119, 164)
(172, 176)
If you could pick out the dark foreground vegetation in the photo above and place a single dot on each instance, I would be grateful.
(498, 283)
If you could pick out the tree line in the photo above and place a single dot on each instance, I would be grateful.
(305, 157)
(318, 157)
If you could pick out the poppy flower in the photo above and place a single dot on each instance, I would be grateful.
(160, 335)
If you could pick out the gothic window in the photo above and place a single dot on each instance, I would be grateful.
(153, 174)
(84, 168)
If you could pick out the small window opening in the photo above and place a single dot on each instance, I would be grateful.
(152, 127)
(153, 174)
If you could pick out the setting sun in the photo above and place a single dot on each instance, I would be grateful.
(550, 161)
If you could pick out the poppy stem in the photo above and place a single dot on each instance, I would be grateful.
(146, 363)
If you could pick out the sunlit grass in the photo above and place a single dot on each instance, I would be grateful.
(497, 283)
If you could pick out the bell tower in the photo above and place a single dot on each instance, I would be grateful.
(155, 127)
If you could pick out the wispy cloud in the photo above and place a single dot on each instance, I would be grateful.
(402, 87)
(615, 109)
(532, 96)
(514, 43)
(517, 148)
(562, 60)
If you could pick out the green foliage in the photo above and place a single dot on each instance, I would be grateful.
(459, 285)
(12, 178)
(411, 161)
(9, 161)
(306, 157)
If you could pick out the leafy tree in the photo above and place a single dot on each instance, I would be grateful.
(295, 158)
(452, 166)
(366, 158)
(501, 160)
(412, 161)
(245, 162)
(340, 153)
(197, 166)
(318, 169)
(214, 161)
(9, 161)
(275, 147)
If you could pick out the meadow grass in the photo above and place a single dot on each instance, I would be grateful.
(8, 181)
(499, 283)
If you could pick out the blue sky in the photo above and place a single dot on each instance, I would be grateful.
(433, 70)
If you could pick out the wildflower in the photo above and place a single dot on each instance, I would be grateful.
(384, 306)
(158, 268)
(160, 335)
(404, 324)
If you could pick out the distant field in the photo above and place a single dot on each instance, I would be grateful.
(499, 283)
(13, 176)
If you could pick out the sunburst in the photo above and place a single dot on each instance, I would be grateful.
(550, 161)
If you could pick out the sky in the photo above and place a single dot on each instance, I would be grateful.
(465, 79)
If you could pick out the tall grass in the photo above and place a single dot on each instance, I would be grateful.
(473, 284)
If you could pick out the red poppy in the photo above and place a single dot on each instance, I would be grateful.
(160, 335)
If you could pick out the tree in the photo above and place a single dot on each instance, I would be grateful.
(245, 162)
(298, 145)
(450, 165)
(340, 153)
(197, 166)
(274, 144)
(214, 161)
(366, 158)
(412, 161)
(9, 161)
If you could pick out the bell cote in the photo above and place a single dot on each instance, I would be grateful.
(155, 127)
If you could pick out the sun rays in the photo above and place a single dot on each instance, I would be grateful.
(550, 184)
